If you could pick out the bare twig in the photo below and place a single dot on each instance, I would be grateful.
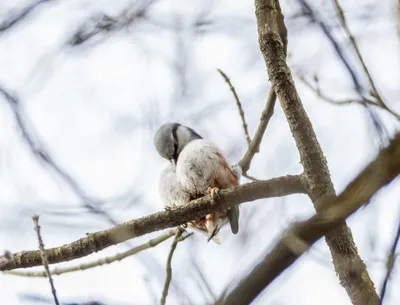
(14, 20)
(353, 41)
(198, 208)
(45, 263)
(239, 105)
(390, 263)
(107, 260)
(280, 28)
(314, 18)
(168, 277)
(377, 122)
(262, 126)
(333, 212)
(106, 24)
(318, 92)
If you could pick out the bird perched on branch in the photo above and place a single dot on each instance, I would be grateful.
(197, 168)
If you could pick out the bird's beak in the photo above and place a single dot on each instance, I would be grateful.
(172, 161)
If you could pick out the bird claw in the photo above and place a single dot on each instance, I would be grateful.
(170, 207)
(213, 191)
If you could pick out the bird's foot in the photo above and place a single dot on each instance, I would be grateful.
(213, 191)
(170, 207)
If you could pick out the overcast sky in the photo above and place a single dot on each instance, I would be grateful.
(95, 107)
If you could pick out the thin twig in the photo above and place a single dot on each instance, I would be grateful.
(390, 263)
(327, 31)
(168, 277)
(270, 105)
(182, 238)
(353, 41)
(239, 105)
(330, 100)
(262, 126)
(35, 219)
(107, 260)
(103, 23)
(7, 24)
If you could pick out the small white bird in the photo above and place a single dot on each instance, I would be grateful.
(198, 168)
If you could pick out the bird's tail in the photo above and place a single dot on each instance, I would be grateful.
(233, 216)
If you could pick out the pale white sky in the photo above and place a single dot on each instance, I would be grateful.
(95, 109)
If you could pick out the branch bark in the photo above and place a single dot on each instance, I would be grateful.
(100, 262)
(97, 241)
(301, 236)
(358, 286)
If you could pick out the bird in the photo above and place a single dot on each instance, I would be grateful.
(198, 167)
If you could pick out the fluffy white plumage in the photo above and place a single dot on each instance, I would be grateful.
(198, 168)
(171, 192)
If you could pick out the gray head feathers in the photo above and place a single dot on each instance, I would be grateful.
(171, 138)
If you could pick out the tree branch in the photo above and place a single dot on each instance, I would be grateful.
(97, 241)
(44, 258)
(8, 24)
(332, 214)
(390, 263)
(254, 146)
(238, 104)
(353, 41)
(330, 100)
(359, 286)
(168, 277)
(107, 260)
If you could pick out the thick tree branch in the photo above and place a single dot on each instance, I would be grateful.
(358, 285)
(97, 241)
(100, 262)
(377, 174)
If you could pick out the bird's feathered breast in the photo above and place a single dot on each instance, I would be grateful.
(171, 192)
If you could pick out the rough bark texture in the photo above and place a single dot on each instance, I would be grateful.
(358, 284)
(97, 241)
(301, 236)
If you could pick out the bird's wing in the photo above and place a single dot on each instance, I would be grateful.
(171, 192)
(225, 178)
(201, 165)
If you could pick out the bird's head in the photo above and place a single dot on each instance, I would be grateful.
(171, 138)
